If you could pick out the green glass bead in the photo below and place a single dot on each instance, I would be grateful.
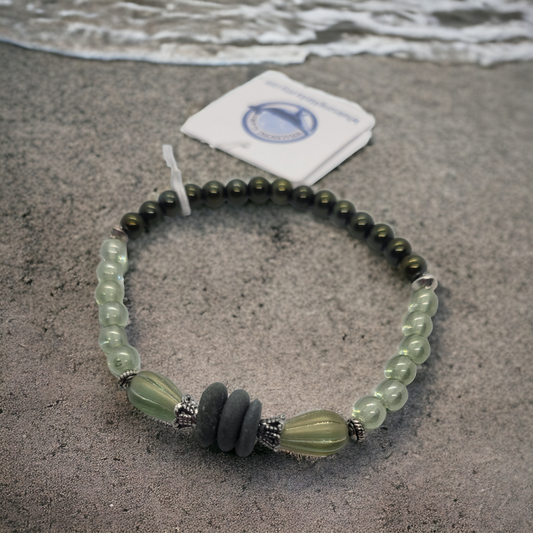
(392, 394)
(114, 250)
(122, 359)
(112, 337)
(369, 411)
(110, 271)
(424, 301)
(400, 368)
(113, 314)
(317, 433)
(416, 348)
(109, 291)
(417, 324)
(154, 395)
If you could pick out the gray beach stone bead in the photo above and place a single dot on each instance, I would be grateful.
(231, 419)
(248, 434)
(209, 410)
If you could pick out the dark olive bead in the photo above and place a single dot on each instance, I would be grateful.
(396, 250)
(169, 203)
(413, 266)
(132, 224)
(302, 198)
(281, 191)
(151, 213)
(360, 225)
(342, 212)
(380, 236)
(323, 203)
(259, 190)
(237, 192)
(194, 195)
(213, 193)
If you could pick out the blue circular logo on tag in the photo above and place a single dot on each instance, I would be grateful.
(279, 122)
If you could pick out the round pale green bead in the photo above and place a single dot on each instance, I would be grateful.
(369, 411)
(392, 394)
(113, 314)
(109, 291)
(110, 271)
(316, 433)
(122, 359)
(112, 337)
(400, 368)
(425, 301)
(154, 395)
(115, 250)
(416, 348)
(417, 324)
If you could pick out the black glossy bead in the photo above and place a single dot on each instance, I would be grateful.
(132, 224)
(259, 190)
(413, 266)
(302, 198)
(360, 225)
(213, 193)
(209, 410)
(151, 213)
(323, 203)
(194, 195)
(229, 425)
(237, 192)
(248, 434)
(281, 191)
(169, 203)
(342, 213)
(396, 250)
(380, 235)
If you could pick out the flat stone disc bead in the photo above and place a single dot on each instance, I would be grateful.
(413, 266)
(111, 337)
(317, 433)
(237, 192)
(369, 411)
(213, 194)
(360, 225)
(154, 395)
(151, 213)
(425, 301)
(392, 393)
(110, 271)
(380, 235)
(194, 195)
(400, 368)
(281, 191)
(133, 225)
(122, 359)
(248, 434)
(113, 314)
(417, 324)
(259, 190)
(323, 203)
(229, 425)
(209, 411)
(115, 250)
(342, 212)
(396, 250)
(302, 198)
(109, 291)
(415, 348)
(169, 203)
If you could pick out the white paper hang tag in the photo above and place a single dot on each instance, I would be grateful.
(284, 127)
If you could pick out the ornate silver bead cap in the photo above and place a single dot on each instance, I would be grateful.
(118, 233)
(427, 281)
(186, 412)
(356, 430)
(269, 431)
(125, 379)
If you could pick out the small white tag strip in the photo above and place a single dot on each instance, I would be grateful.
(176, 183)
(282, 126)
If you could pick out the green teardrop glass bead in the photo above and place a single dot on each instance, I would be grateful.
(317, 433)
(109, 291)
(417, 324)
(425, 301)
(154, 395)
(416, 348)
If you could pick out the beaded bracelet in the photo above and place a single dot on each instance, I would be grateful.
(233, 422)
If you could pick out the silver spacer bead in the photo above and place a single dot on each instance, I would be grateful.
(269, 431)
(125, 379)
(356, 430)
(186, 412)
(118, 233)
(427, 281)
